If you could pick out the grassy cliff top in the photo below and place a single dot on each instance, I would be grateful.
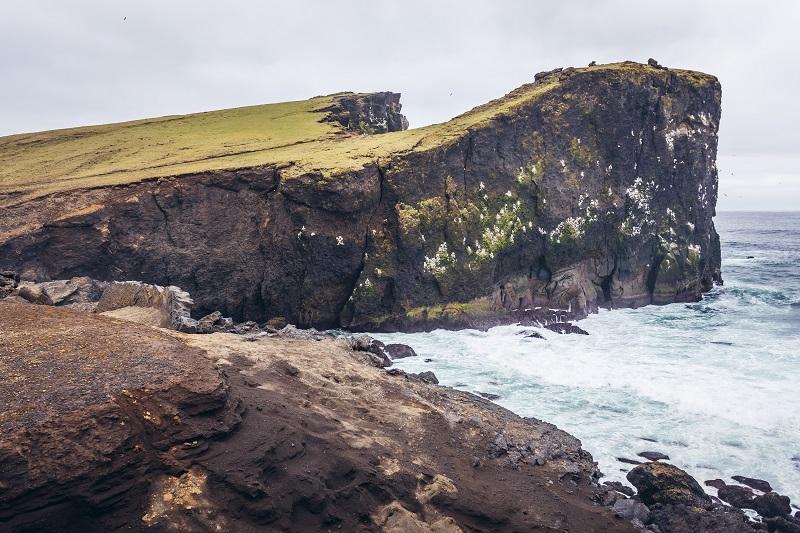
(287, 134)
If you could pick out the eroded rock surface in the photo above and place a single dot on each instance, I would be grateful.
(106, 424)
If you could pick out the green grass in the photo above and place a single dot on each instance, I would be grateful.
(289, 134)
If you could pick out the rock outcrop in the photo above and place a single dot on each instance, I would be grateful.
(591, 186)
(107, 425)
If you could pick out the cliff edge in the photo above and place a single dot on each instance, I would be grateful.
(589, 187)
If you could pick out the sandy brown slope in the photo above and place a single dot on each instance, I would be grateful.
(109, 425)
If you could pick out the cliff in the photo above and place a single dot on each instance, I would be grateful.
(588, 187)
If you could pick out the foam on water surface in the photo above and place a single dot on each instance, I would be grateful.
(716, 384)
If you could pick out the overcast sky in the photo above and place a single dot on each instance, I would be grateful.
(86, 62)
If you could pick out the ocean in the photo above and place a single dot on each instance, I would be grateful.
(714, 384)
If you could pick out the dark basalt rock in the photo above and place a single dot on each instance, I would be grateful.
(631, 509)
(653, 456)
(628, 461)
(399, 351)
(741, 497)
(368, 113)
(758, 484)
(233, 239)
(566, 328)
(666, 484)
(488, 395)
(427, 377)
(772, 504)
(716, 483)
(783, 524)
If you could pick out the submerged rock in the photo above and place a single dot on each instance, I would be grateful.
(565, 328)
(653, 456)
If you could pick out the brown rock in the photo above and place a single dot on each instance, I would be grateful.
(666, 484)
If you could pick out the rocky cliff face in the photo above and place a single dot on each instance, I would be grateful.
(589, 187)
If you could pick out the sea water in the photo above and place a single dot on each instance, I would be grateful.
(714, 384)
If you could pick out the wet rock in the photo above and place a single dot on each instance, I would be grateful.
(619, 487)
(630, 509)
(488, 395)
(427, 377)
(755, 483)
(680, 518)
(741, 497)
(628, 461)
(666, 484)
(564, 328)
(399, 351)
(782, 524)
(772, 504)
(653, 456)
(716, 483)
(531, 334)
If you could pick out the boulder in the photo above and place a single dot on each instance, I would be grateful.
(427, 377)
(628, 461)
(755, 483)
(716, 483)
(666, 484)
(692, 519)
(631, 509)
(736, 495)
(782, 524)
(564, 328)
(375, 348)
(653, 456)
(399, 351)
(772, 504)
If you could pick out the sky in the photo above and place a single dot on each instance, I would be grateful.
(97, 61)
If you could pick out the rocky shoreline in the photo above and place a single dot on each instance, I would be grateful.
(165, 431)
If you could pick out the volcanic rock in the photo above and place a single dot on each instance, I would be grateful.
(399, 351)
(565, 328)
(741, 497)
(758, 484)
(772, 504)
(315, 219)
(653, 456)
(666, 484)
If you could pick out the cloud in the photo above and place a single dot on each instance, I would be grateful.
(79, 62)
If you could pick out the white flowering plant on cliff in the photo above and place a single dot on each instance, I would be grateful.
(441, 261)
